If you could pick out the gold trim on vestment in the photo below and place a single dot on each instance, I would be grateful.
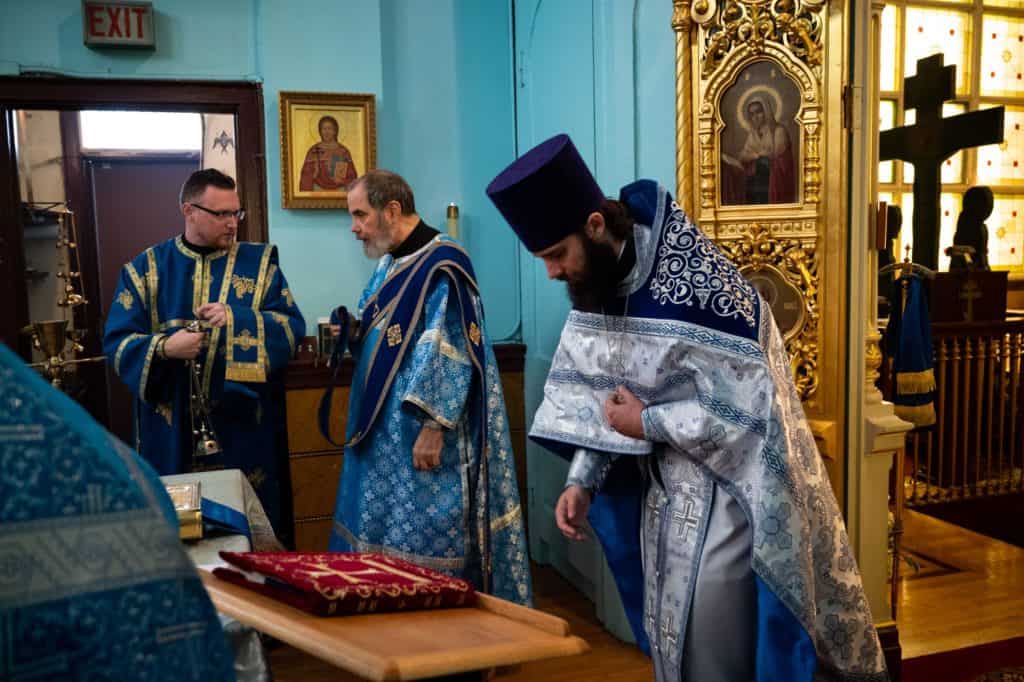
(447, 423)
(252, 372)
(152, 282)
(145, 367)
(446, 349)
(167, 324)
(262, 281)
(249, 372)
(121, 348)
(222, 297)
(133, 275)
(285, 322)
(506, 520)
(357, 545)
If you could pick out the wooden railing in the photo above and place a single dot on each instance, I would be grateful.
(976, 447)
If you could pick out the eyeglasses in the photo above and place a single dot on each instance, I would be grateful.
(223, 215)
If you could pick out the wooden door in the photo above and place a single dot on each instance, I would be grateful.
(135, 205)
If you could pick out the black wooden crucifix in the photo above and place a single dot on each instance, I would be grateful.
(932, 140)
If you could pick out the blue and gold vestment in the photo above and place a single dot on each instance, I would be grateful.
(424, 354)
(157, 295)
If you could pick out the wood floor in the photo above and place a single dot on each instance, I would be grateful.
(970, 591)
(974, 595)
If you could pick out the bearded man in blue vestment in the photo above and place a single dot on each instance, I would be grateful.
(429, 474)
(237, 291)
(96, 584)
(671, 393)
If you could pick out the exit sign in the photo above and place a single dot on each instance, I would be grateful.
(118, 24)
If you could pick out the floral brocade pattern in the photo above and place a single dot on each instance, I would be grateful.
(434, 518)
(726, 404)
(692, 271)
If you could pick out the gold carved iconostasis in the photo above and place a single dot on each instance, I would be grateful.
(760, 159)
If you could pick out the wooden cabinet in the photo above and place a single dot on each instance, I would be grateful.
(315, 464)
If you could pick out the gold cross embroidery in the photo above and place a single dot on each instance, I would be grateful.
(394, 335)
(246, 340)
(318, 570)
(287, 293)
(243, 285)
(125, 299)
(474, 333)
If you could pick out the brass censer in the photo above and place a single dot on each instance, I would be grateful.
(204, 438)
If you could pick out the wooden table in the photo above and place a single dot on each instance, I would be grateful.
(410, 645)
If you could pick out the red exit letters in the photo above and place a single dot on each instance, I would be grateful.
(128, 24)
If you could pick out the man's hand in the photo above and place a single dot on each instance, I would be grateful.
(622, 410)
(214, 313)
(183, 345)
(571, 512)
(426, 452)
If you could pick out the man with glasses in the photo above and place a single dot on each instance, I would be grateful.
(204, 310)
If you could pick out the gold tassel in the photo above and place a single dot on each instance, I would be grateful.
(915, 382)
(918, 415)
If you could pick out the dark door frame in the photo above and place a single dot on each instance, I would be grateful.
(242, 99)
(14, 309)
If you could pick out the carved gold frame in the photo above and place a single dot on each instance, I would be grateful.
(716, 40)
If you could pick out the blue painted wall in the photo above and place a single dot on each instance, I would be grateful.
(195, 39)
(448, 118)
(322, 46)
(602, 71)
(441, 72)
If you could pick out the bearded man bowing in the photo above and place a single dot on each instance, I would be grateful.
(671, 393)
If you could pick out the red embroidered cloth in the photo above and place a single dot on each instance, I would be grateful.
(335, 583)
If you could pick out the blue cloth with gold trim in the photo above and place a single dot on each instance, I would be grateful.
(908, 340)
(156, 296)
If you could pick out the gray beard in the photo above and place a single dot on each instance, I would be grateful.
(374, 251)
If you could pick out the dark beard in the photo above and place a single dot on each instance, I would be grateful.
(596, 287)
